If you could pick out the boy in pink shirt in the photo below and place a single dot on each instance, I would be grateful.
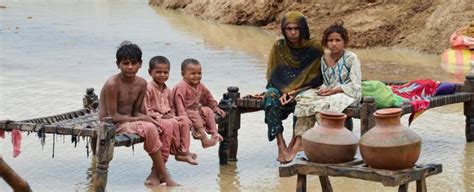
(159, 104)
(194, 100)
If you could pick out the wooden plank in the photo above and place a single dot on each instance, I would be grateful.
(403, 188)
(421, 185)
(360, 171)
(325, 183)
(301, 183)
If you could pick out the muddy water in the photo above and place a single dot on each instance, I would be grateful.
(52, 50)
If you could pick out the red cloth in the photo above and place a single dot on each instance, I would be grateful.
(16, 141)
(418, 92)
(2, 133)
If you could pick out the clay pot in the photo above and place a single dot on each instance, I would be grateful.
(390, 145)
(330, 142)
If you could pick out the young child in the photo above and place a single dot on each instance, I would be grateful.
(121, 98)
(194, 100)
(159, 104)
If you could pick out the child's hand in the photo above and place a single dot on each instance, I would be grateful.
(220, 112)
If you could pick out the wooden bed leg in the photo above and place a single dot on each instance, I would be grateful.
(229, 127)
(325, 183)
(469, 108)
(367, 119)
(421, 185)
(403, 188)
(93, 146)
(301, 183)
(105, 154)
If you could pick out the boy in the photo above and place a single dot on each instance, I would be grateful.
(159, 104)
(121, 98)
(194, 100)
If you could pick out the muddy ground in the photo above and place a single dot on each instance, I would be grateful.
(423, 25)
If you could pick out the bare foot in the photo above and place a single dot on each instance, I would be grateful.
(205, 142)
(282, 156)
(217, 137)
(188, 158)
(152, 179)
(297, 146)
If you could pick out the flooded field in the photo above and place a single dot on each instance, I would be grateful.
(52, 50)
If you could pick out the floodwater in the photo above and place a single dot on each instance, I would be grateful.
(52, 50)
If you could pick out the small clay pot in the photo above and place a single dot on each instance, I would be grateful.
(330, 142)
(390, 145)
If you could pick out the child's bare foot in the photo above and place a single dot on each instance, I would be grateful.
(217, 137)
(205, 142)
(186, 158)
(152, 179)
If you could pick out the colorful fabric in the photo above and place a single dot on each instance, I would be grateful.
(274, 112)
(418, 92)
(383, 95)
(16, 141)
(457, 62)
(291, 67)
(197, 104)
(463, 38)
(345, 74)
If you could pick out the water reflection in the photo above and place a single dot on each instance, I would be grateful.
(468, 167)
(228, 177)
(238, 38)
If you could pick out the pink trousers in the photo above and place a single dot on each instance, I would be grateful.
(204, 117)
(144, 129)
(174, 136)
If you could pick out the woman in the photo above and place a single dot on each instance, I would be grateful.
(293, 65)
(341, 88)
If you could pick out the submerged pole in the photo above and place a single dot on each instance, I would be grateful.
(105, 153)
(229, 126)
(469, 107)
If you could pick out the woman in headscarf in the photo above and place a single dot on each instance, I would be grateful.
(293, 66)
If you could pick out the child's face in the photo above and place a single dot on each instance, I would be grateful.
(192, 74)
(160, 73)
(129, 68)
(335, 43)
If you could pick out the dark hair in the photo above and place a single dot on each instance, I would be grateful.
(189, 61)
(128, 50)
(337, 27)
(158, 60)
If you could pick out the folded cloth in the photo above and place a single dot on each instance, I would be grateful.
(16, 141)
(418, 92)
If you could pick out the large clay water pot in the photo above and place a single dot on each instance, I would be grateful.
(330, 142)
(390, 145)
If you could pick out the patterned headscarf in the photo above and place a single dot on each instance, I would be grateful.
(290, 66)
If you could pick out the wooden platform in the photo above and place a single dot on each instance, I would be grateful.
(357, 169)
